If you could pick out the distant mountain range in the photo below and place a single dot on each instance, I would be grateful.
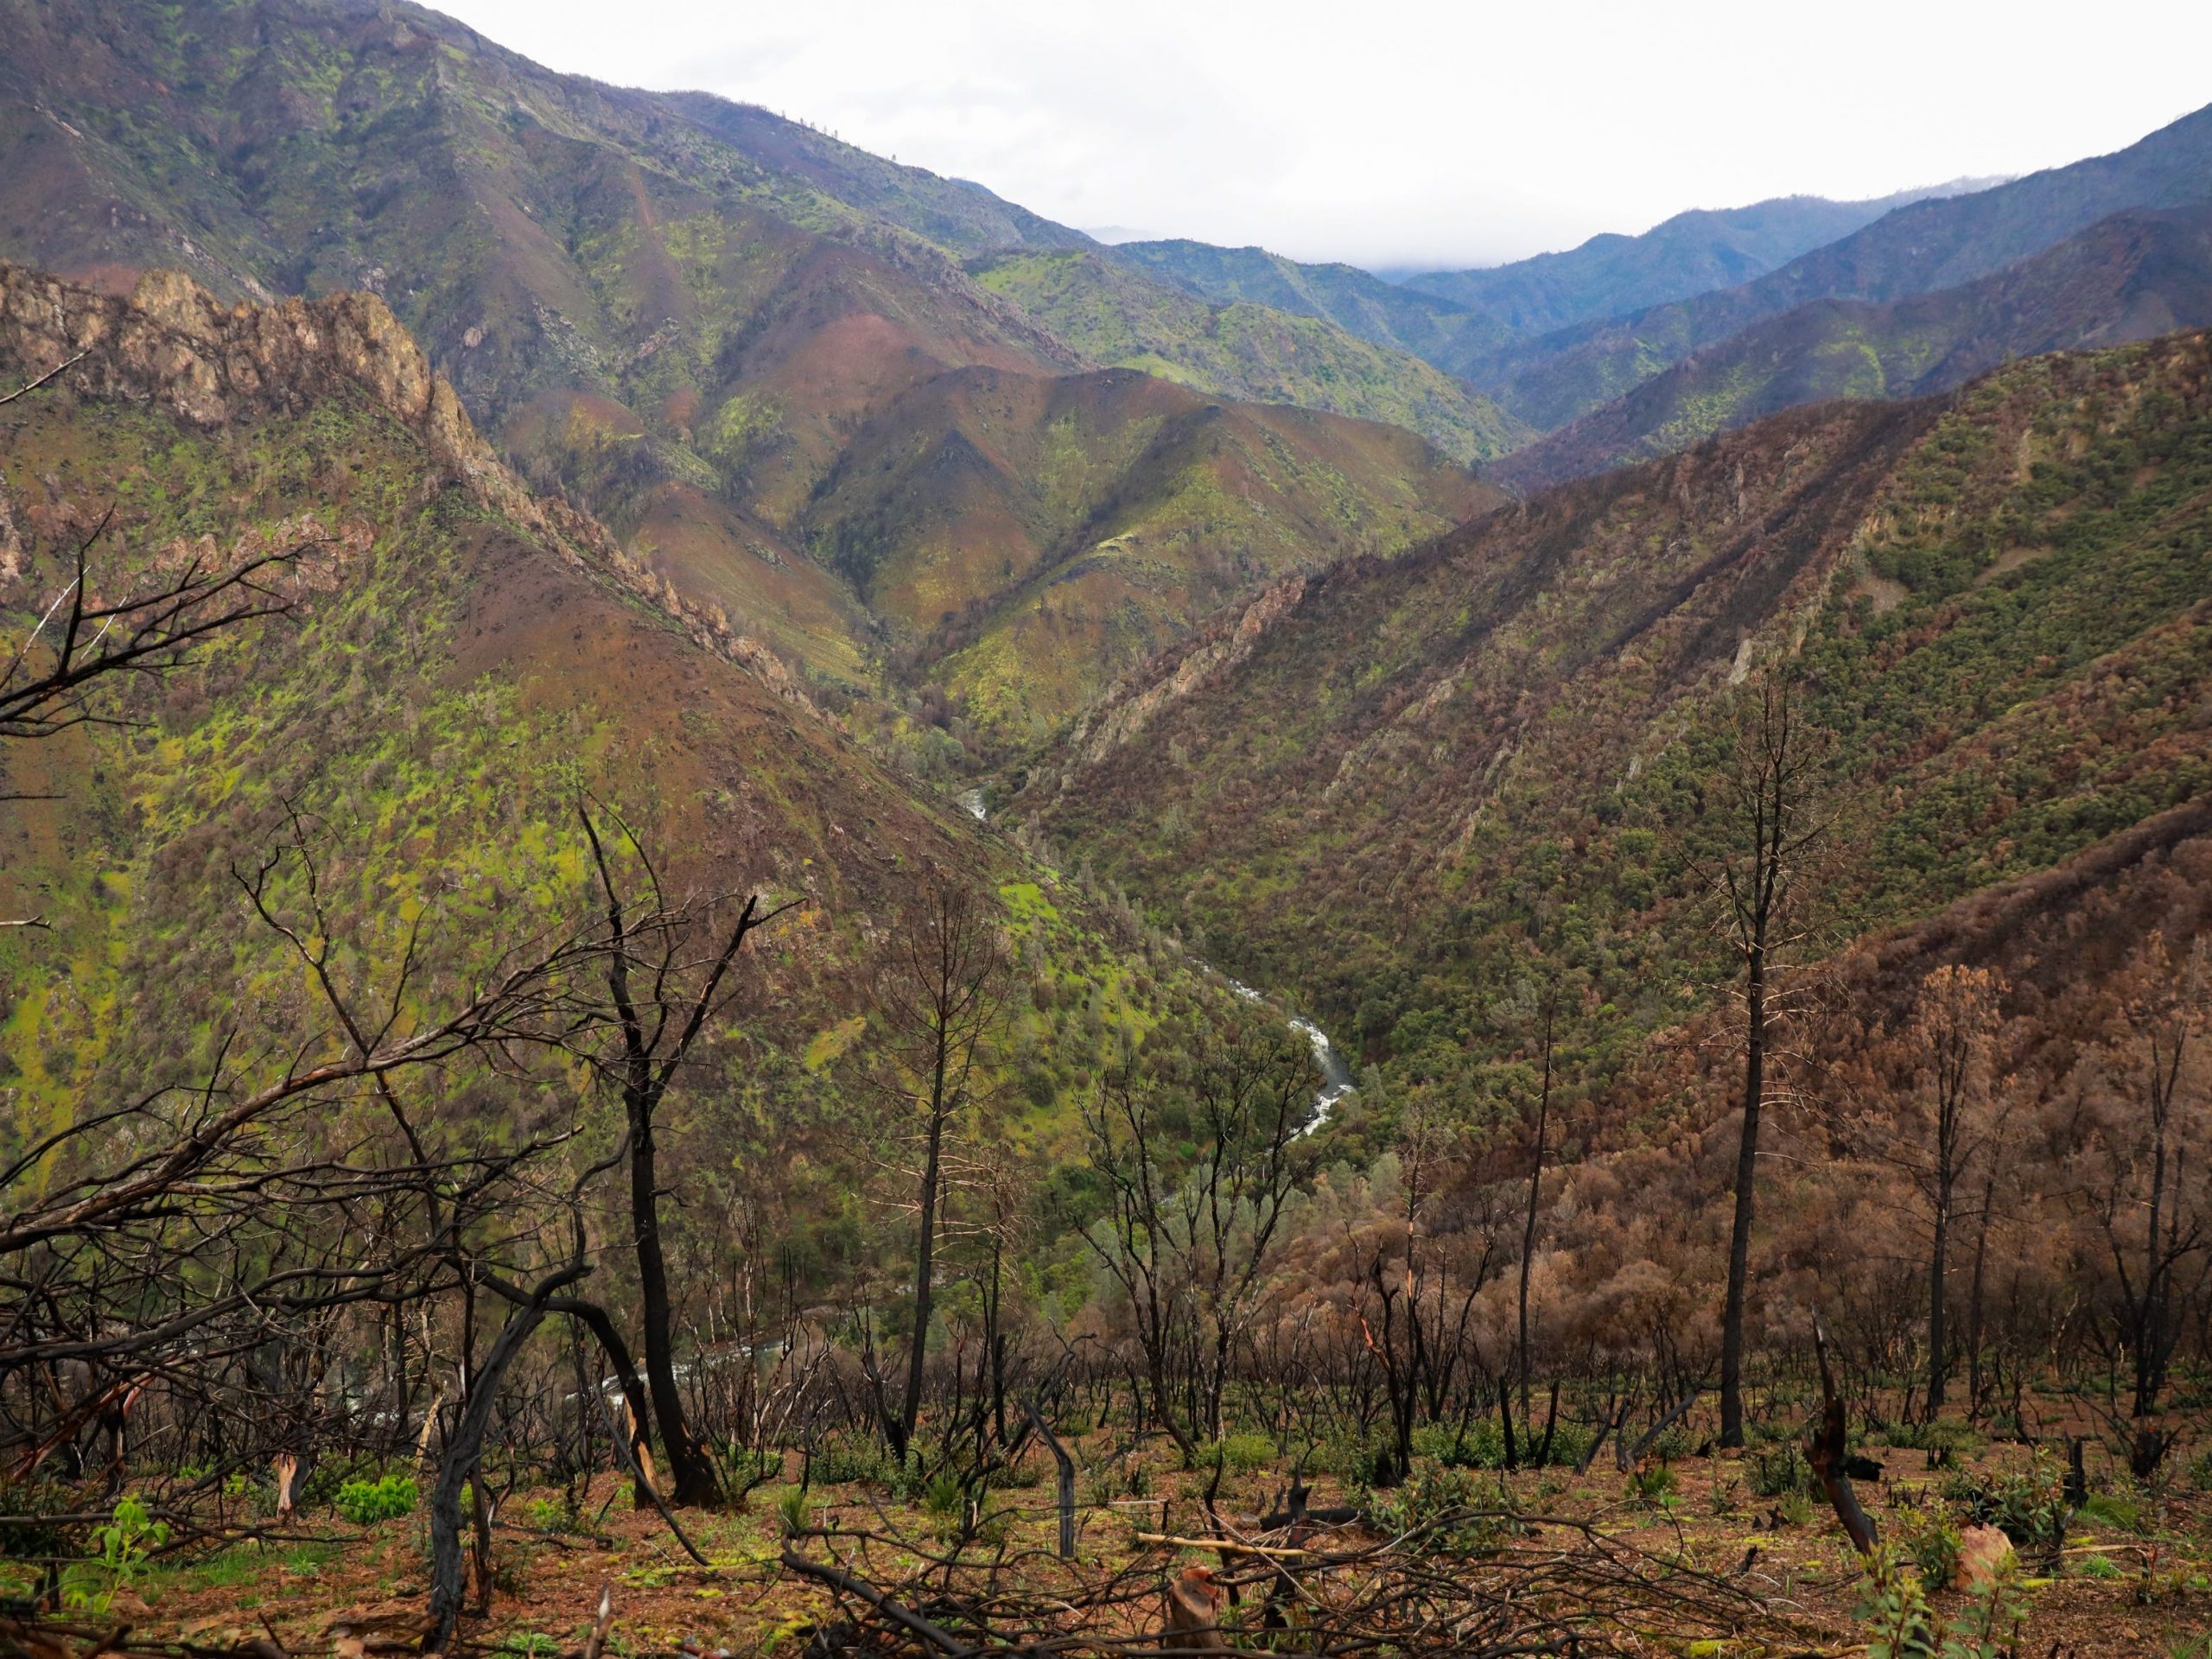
(1920, 249)
(2134, 275)
(1690, 253)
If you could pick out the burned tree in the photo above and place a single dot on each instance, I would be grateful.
(665, 972)
(1772, 822)
(938, 997)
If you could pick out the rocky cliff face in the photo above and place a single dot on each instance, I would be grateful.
(172, 343)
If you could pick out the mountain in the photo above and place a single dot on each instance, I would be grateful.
(1395, 789)
(1042, 528)
(462, 661)
(676, 310)
(1928, 246)
(1264, 353)
(1689, 254)
(2131, 276)
(1361, 304)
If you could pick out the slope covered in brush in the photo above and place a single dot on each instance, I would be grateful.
(1400, 787)
(1046, 533)
(462, 664)
(677, 309)
(1259, 352)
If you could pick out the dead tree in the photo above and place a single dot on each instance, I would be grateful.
(1190, 1244)
(662, 988)
(1768, 802)
(938, 998)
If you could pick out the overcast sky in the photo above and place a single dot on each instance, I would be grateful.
(1412, 133)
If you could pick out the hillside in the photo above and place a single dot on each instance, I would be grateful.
(1691, 253)
(2129, 277)
(1357, 300)
(462, 664)
(676, 310)
(1042, 534)
(1383, 788)
(1263, 353)
(1930, 245)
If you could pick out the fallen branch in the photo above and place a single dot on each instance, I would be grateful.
(1226, 1546)
(904, 1617)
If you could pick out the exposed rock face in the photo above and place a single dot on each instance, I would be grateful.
(172, 343)
(1125, 709)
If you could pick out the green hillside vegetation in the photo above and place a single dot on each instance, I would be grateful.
(2133, 276)
(1358, 302)
(1260, 352)
(462, 665)
(675, 310)
(1051, 532)
(1417, 784)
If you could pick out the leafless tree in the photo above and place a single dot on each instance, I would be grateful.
(663, 984)
(1773, 821)
(938, 995)
(1190, 1244)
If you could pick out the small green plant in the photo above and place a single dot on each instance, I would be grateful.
(1777, 1470)
(1930, 1539)
(791, 1511)
(1796, 1509)
(1652, 1485)
(2097, 1566)
(123, 1542)
(843, 1458)
(1901, 1624)
(365, 1502)
(559, 1515)
(1241, 1453)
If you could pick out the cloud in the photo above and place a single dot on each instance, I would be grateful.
(1420, 133)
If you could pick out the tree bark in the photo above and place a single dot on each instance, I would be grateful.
(1739, 1236)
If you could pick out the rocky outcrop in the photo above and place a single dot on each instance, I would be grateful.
(1127, 708)
(172, 343)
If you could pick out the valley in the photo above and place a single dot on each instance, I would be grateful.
(752, 903)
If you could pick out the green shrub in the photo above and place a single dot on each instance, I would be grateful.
(1245, 1453)
(365, 1502)
(1778, 1470)
(2200, 1470)
(843, 1458)
(2120, 1513)
(2097, 1566)
(2028, 1506)
(1931, 1541)
(1445, 1511)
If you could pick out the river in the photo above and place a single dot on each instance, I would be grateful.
(1336, 1080)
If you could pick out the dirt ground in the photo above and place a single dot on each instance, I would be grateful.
(2144, 1588)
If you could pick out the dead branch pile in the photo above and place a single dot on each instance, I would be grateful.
(1530, 1585)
